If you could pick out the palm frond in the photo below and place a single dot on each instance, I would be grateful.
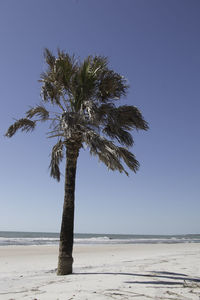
(56, 158)
(49, 57)
(39, 111)
(99, 63)
(83, 83)
(51, 91)
(125, 116)
(111, 86)
(105, 109)
(65, 68)
(117, 121)
(121, 135)
(129, 159)
(130, 117)
(57, 80)
(109, 153)
(23, 124)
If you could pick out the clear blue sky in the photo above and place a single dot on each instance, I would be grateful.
(153, 43)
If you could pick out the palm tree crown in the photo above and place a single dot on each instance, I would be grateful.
(85, 94)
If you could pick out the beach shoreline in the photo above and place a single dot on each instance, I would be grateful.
(138, 271)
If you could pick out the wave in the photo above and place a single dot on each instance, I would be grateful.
(28, 241)
(5, 241)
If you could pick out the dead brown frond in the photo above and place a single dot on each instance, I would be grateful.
(23, 124)
(39, 111)
(56, 158)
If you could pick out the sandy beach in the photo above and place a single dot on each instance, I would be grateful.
(145, 271)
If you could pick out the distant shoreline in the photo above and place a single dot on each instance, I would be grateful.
(47, 238)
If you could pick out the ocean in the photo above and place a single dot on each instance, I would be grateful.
(47, 238)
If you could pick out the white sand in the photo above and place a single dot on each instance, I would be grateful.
(102, 272)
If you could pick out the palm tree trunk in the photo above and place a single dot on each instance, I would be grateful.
(65, 259)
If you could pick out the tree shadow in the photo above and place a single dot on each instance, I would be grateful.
(156, 282)
(154, 275)
(169, 273)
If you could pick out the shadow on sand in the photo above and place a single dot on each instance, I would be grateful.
(178, 278)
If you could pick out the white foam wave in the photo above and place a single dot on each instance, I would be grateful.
(94, 240)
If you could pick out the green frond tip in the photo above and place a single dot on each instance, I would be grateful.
(56, 158)
(39, 111)
(23, 124)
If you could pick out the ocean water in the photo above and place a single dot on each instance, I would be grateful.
(47, 238)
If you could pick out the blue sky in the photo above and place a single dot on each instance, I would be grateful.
(155, 44)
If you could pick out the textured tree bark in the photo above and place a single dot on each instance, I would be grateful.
(65, 259)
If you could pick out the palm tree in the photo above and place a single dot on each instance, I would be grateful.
(83, 95)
